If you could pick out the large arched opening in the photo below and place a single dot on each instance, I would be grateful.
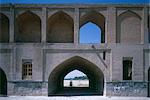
(94, 74)
(4, 28)
(3, 83)
(60, 28)
(95, 18)
(28, 28)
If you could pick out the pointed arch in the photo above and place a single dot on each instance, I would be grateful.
(90, 33)
(128, 27)
(60, 28)
(96, 18)
(3, 83)
(28, 27)
(95, 75)
(4, 28)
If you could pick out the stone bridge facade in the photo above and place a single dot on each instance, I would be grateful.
(39, 45)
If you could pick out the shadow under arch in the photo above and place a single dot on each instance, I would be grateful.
(28, 28)
(4, 28)
(60, 28)
(95, 75)
(3, 83)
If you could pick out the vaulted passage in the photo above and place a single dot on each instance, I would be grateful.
(4, 28)
(28, 28)
(3, 83)
(94, 74)
(60, 28)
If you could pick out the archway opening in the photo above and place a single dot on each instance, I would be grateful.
(3, 83)
(76, 78)
(28, 28)
(97, 20)
(4, 28)
(90, 33)
(94, 74)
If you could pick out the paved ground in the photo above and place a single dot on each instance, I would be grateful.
(72, 98)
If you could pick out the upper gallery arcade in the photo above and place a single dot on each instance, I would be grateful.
(62, 24)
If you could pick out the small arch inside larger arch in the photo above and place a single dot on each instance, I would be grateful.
(76, 78)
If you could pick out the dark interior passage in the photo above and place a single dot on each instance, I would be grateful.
(3, 83)
(4, 28)
(149, 82)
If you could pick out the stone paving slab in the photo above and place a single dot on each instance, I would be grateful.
(72, 98)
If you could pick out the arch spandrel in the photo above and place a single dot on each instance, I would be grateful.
(37, 13)
(93, 16)
(136, 13)
(89, 57)
(53, 12)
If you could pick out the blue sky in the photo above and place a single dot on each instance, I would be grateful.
(74, 1)
(90, 33)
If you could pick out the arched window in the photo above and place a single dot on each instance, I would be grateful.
(76, 78)
(4, 28)
(90, 33)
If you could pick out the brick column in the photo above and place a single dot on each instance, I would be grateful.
(44, 25)
(111, 25)
(76, 26)
(11, 26)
